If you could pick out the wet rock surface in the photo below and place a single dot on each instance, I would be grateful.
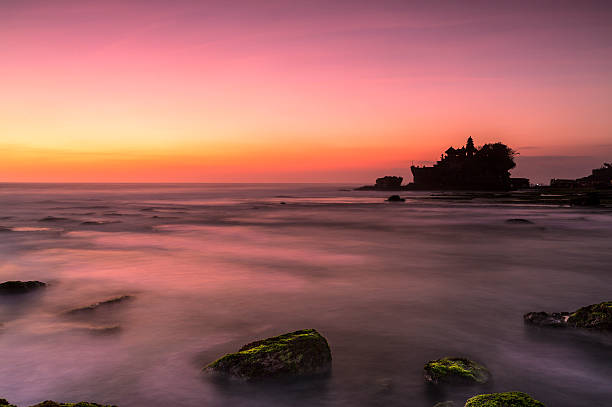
(455, 370)
(595, 316)
(20, 287)
(50, 403)
(100, 305)
(299, 353)
(509, 399)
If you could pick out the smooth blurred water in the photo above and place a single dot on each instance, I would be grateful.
(215, 266)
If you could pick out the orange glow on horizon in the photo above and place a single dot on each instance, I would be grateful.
(194, 91)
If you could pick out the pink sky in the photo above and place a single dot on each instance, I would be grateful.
(339, 91)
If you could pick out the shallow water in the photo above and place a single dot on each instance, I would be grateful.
(214, 266)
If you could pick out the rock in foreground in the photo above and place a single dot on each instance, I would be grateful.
(49, 403)
(595, 316)
(299, 353)
(509, 399)
(20, 287)
(455, 371)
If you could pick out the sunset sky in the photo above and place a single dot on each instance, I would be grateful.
(282, 91)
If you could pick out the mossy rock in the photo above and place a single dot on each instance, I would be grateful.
(299, 353)
(5, 403)
(456, 371)
(20, 287)
(509, 399)
(50, 403)
(596, 316)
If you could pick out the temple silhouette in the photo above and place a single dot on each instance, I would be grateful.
(468, 167)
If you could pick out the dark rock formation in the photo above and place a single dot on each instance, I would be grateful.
(556, 319)
(595, 316)
(509, 399)
(519, 221)
(298, 353)
(20, 287)
(50, 403)
(588, 199)
(99, 305)
(386, 183)
(51, 219)
(389, 182)
(455, 371)
(395, 198)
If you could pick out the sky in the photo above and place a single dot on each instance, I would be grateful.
(298, 91)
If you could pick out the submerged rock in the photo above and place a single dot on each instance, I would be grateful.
(445, 404)
(595, 316)
(455, 370)
(51, 219)
(298, 353)
(556, 319)
(50, 403)
(20, 287)
(395, 198)
(99, 305)
(509, 399)
(519, 221)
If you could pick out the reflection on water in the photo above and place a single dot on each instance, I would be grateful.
(211, 267)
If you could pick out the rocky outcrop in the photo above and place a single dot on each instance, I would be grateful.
(509, 399)
(518, 221)
(50, 403)
(554, 319)
(299, 353)
(100, 305)
(455, 371)
(20, 287)
(386, 183)
(595, 316)
(389, 182)
(395, 198)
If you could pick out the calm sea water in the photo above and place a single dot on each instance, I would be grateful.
(213, 266)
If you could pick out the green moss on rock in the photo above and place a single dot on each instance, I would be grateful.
(596, 316)
(5, 403)
(298, 353)
(509, 399)
(455, 370)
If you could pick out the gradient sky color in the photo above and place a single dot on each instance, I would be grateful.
(282, 91)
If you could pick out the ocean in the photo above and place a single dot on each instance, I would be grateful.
(210, 267)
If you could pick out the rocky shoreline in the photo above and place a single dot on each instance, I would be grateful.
(306, 353)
